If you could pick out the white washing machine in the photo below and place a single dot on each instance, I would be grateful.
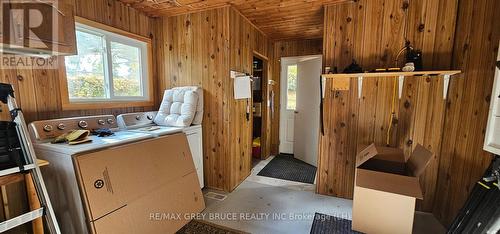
(143, 122)
(71, 184)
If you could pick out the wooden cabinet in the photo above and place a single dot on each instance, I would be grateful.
(38, 28)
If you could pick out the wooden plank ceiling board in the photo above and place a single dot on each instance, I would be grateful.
(278, 19)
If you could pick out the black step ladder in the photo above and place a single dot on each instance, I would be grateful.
(31, 166)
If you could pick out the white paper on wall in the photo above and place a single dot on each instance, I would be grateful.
(242, 87)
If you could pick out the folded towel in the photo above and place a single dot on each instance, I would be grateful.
(73, 137)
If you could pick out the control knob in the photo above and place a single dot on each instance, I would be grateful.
(47, 128)
(83, 124)
(61, 126)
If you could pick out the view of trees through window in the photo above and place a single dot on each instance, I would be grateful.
(85, 71)
(126, 70)
(291, 87)
(88, 75)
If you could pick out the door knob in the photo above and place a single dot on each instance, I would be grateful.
(296, 112)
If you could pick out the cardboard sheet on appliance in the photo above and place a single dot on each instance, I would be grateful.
(242, 87)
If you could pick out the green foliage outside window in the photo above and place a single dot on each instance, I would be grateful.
(86, 71)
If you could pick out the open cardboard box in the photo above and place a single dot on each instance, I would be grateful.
(386, 188)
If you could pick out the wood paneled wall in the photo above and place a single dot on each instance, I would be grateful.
(200, 49)
(244, 39)
(372, 32)
(463, 160)
(282, 49)
(38, 91)
(195, 49)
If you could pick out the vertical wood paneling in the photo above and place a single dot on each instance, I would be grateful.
(244, 40)
(195, 48)
(241, 59)
(462, 160)
(200, 49)
(372, 32)
(455, 34)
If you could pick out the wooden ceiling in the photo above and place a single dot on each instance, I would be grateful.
(278, 19)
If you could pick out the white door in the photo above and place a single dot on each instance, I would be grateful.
(306, 123)
(299, 111)
(288, 102)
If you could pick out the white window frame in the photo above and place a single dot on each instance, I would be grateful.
(109, 37)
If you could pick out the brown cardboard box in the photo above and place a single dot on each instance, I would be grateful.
(165, 210)
(121, 185)
(386, 188)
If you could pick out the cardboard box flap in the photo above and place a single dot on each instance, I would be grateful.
(419, 160)
(372, 151)
(387, 182)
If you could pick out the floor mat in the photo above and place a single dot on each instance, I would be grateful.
(326, 224)
(287, 167)
(202, 227)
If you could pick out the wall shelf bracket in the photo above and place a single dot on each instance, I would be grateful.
(401, 82)
(446, 80)
(401, 75)
(360, 87)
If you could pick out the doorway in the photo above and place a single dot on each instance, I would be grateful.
(299, 109)
(260, 108)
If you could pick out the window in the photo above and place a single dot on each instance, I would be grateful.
(291, 93)
(109, 67)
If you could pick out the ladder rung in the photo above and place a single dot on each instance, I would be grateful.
(16, 170)
(21, 219)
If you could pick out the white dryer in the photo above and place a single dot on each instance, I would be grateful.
(97, 186)
(143, 122)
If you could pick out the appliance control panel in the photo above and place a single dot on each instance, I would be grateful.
(47, 129)
(131, 120)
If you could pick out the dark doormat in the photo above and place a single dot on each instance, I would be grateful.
(326, 224)
(287, 167)
(202, 227)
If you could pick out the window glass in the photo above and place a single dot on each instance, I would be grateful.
(85, 71)
(108, 66)
(291, 87)
(126, 70)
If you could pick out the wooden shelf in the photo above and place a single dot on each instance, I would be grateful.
(343, 80)
(386, 74)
